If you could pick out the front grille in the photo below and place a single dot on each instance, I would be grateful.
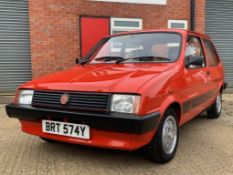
(82, 101)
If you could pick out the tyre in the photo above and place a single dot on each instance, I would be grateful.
(163, 146)
(215, 109)
(47, 140)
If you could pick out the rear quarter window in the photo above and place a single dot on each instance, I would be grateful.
(211, 53)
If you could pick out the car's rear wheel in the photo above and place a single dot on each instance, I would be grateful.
(164, 144)
(215, 109)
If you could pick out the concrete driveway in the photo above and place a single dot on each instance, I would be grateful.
(206, 147)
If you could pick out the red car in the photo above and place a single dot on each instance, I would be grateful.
(132, 90)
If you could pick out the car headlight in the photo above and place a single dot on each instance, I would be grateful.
(25, 97)
(125, 103)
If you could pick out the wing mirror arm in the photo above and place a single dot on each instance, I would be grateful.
(80, 61)
(77, 61)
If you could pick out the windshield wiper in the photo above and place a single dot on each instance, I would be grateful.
(109, 58)
(144, 58)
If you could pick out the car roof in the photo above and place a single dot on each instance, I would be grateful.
(182, 31)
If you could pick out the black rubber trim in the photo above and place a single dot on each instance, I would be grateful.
(225, 85)
(196, 101)
(117, 122)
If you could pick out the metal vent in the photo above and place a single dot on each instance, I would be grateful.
(15, 59)
(219, 24)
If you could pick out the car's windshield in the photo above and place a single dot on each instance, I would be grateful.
(140, 47)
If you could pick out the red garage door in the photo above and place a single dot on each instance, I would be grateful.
(92, 30)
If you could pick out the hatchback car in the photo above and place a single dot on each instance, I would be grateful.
(132, 90)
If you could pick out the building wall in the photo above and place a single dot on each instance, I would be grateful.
(200, 15)
(54, 26)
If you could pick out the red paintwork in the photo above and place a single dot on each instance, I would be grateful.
(92, 30)
(98, 138)
(160, 85)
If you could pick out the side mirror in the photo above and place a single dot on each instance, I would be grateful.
(77, 60)
(80, 61)
(194, 61)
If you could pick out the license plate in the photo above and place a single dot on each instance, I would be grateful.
(66, 129)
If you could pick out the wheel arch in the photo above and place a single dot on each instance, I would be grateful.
(222, 85)
(221, 88)
(172, 103)
(177, 107)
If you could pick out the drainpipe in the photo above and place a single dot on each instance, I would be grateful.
(192, 15)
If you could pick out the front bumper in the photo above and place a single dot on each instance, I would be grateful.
(115, 122)
(112, 130)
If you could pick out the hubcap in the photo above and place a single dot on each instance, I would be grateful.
(219, 103)
(169, 135)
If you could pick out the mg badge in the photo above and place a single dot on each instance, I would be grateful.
(64, 99)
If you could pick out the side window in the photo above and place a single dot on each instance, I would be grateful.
(194, 53)
(211, 53)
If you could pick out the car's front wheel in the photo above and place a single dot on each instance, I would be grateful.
(164, 144)
(47, 140)
(215, 109)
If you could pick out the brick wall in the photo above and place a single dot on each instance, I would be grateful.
(200, 15)
(55, 33)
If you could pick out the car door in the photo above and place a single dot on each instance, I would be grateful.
(213, 64)
(196, 79)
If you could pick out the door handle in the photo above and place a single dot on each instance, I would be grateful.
(208, 73)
